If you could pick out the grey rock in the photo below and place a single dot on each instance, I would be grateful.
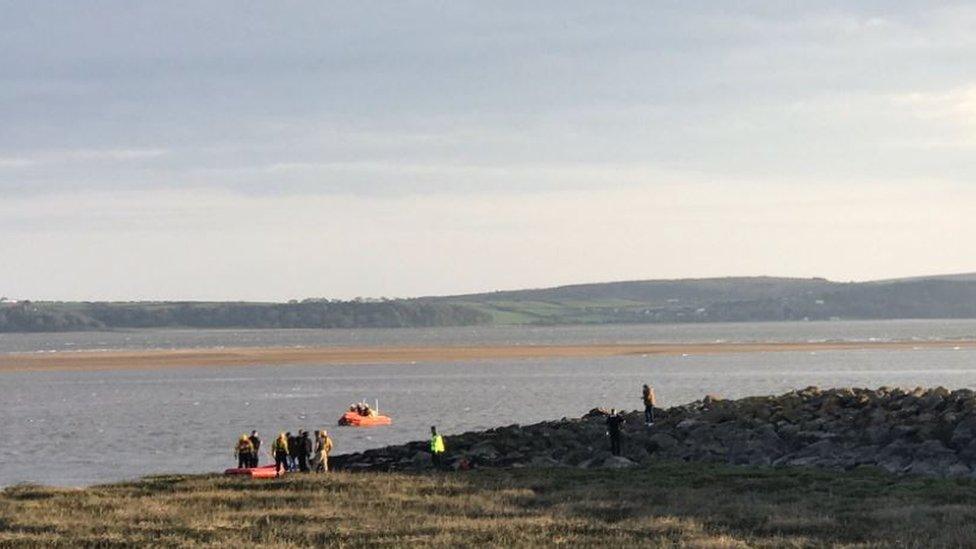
(617, 462)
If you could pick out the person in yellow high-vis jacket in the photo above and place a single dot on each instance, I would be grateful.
(244, 452)
(436, 447)
(279, 450)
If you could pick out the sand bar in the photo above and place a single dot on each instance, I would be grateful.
(281, 356)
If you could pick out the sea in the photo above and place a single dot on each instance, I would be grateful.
(83, 428)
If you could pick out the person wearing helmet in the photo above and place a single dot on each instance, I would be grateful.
(279, 449)
(256, 441)
(244, 452)
(324, 446)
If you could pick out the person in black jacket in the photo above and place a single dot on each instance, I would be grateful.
(256, 441)
(304, 450)
(292, 451)
(614, 420)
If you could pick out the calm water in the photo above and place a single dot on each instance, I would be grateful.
(498, 335)
(75, 428)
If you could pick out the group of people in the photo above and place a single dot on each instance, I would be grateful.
(615, 420)
(247, 450)
(290, 453)
(362, 409)
(300, 453)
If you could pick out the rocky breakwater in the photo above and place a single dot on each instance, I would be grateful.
(920, 431)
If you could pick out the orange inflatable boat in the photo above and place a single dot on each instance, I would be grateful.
(267, 471)
(354, 419)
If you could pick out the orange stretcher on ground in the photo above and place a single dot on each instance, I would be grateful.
(266, 471)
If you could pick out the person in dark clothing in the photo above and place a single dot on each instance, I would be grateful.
(614, 420)
(292, 451)
(256, 441)
(304, 451)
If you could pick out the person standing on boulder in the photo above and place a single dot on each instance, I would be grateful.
(650, 401)
(614, 420)
(437, 448)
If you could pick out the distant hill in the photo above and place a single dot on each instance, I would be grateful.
(730, 299)
(964, 277)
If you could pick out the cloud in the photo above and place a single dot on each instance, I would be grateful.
(210, 244)
(957, 105)
(346, 149)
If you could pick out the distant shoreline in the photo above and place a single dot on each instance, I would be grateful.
(283, 356)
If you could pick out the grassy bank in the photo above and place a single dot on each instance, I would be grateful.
(703, 505)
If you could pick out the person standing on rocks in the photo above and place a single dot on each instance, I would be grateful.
(614, 420)
(650, 401)
(437, 448)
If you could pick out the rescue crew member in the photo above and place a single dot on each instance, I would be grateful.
(322, 452)
(436, 447)
(279, 449)
(256, 441)
(244, 451)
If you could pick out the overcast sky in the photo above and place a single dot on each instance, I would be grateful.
(275, 150)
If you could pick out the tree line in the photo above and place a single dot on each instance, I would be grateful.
(56, 317)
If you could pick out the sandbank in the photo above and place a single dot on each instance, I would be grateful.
(282, 356)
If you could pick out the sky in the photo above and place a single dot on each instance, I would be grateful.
(278, 150)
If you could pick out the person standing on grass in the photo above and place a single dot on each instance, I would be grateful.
(256, 441)
(437, 447)
(304, 450)
(614, 420)
(279, 449)
(322, 452)
(650, 401)
(292, 451)
(245, 452)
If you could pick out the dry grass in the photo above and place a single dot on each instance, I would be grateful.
(665, 505)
